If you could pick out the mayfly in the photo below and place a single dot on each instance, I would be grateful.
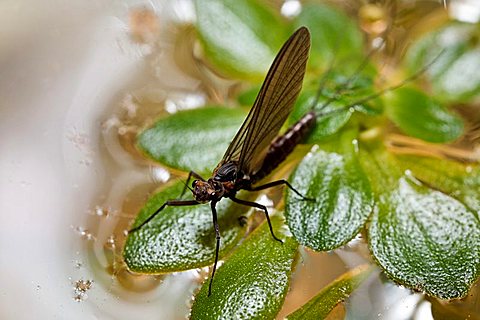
(257, 149)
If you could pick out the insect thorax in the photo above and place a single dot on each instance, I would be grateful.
(226, 172)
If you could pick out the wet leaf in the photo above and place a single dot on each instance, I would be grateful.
(253, 281)
(180, 238)
(454, 75)
(342, 193)
(238, 36)
(336, 292)
(422, 117)
(247, 98)
(333, 35)
(459, 181)
(422, 238)
(193, 139)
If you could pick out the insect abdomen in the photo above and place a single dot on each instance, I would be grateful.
(283, 145)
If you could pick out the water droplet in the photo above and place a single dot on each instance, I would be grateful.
(291, 8)
(84, 233)
(101, 211)
(123, 130)
(355, 145)
(110, 123)
(110, 244)
(159, 174)
(130, 106)
(80, 289)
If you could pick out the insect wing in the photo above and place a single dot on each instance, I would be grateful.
(273, 104)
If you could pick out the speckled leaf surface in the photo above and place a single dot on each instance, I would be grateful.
(458, 180)
(422, 238)
(342, 193)
(238, 36)
(253, 281)
(336, 292)
(418, 115)
(193, 139)
(180, 238)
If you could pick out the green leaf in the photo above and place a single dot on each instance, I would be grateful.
(247, 98)
(422, 238)
(193, 139)
(458, 180)
(333, 35)
(336, 292)
(420, 116)
(239, 37)
(454, 75)
(180, 238)
(343, 198)
(253, 282)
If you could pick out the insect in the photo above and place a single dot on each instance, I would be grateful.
(257, 149)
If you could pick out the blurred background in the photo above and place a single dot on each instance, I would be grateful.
(78, 80)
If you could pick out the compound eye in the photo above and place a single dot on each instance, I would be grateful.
(194, 183)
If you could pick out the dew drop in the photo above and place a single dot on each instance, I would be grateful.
(80, 289)
(110, 244)
(291, 8)
(84, 233)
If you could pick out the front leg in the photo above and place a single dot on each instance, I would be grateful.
(213, 205)
(277, 183)
(172, 203)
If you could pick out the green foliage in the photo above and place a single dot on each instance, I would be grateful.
(334, 36)
(253, 282)
(342, 193)
(192, 139)
(423, 214)
(180, 238)
(237, 36)
(454, 76)
(423, 238)
(420, 116)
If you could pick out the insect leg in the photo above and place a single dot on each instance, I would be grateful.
(190, 174)
(277, 183)
(259, 206)
(172, 203)
(217, 247)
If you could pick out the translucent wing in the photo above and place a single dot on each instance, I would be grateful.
(273, 104)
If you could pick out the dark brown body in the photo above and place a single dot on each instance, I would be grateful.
(283, 145)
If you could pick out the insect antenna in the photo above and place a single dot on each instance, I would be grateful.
(377, 94)
(346, 85)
